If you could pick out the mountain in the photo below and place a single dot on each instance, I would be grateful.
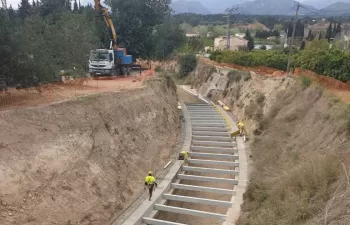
(321, 4)
(186, 6)
(337, 8)
(271, 7)
(214, 7)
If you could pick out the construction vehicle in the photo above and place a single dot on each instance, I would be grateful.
(113, 61)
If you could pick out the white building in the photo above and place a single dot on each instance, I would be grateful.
(220, 43)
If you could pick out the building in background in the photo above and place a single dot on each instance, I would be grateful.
(220, 43)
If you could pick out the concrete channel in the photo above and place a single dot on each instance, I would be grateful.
(202, 190)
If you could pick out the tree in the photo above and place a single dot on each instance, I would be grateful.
(195, 44)
(135, 20)
(75, 6)
(263, 47)
(338, 29)
(24, 9)
(167, 38)
(329, 32)
(310, 36)
(250, 40)
(320, 36)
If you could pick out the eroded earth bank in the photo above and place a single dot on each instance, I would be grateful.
(299, 141)
(83, 161)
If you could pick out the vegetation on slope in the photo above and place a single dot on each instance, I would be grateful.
(316, 57)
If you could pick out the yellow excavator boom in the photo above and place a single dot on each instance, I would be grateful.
(104, 11)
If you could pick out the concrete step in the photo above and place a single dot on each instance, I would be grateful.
(212, 144)
(207, 179)
(213, 162)
(205, 201)
(212, 138)
(223, 125)
(209, 170)
(214, 129)
(209, 120)
(202, 119)
(211, 134)
(203, 189)
(214, 155)
(151, 221)
(191, 212)
(214, 149)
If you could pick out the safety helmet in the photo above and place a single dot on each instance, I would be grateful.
(150, 172)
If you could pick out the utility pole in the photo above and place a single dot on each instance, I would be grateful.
(229, 14)
(292, 41)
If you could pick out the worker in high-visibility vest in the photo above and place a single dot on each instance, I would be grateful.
(150, 182)
(183, 155)
(240, 127)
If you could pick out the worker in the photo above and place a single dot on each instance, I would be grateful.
(150, 182)
(240, 127)
(183, 155)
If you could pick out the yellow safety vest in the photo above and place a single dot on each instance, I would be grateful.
(150, 180)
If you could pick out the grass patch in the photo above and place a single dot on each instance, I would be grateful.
(306, 81)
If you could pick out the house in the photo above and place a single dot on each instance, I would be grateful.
(220, 43)
(240, 35)
(210, 34)
(192, 35)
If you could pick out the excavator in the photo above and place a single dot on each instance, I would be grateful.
(113, 61)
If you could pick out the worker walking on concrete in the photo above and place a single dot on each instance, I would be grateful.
(240, 127)
(183, 156)
(150, 182)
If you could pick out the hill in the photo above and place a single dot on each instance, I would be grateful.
(321, 4)
(337, 8)
(270, 7)
(185, 6)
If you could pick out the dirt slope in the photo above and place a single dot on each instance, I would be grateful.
(84, 161)
(300, 147)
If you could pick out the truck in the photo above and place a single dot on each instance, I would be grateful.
(113, 61)
(110, 62)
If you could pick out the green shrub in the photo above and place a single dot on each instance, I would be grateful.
(188, 63)
(316, 57)
(306, 81)
(158, 69)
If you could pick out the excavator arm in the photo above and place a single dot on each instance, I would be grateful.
(104, 11)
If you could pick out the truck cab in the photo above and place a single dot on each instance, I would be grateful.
(110, 62)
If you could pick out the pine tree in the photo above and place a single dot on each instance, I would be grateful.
(290, 30)
(250, 40)
(24, 9)
(338, 29)
(68, 5)
(320, 36)
(329, 32)
(75, 6)
(33, 3)
(334, 32)
(309, 36)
